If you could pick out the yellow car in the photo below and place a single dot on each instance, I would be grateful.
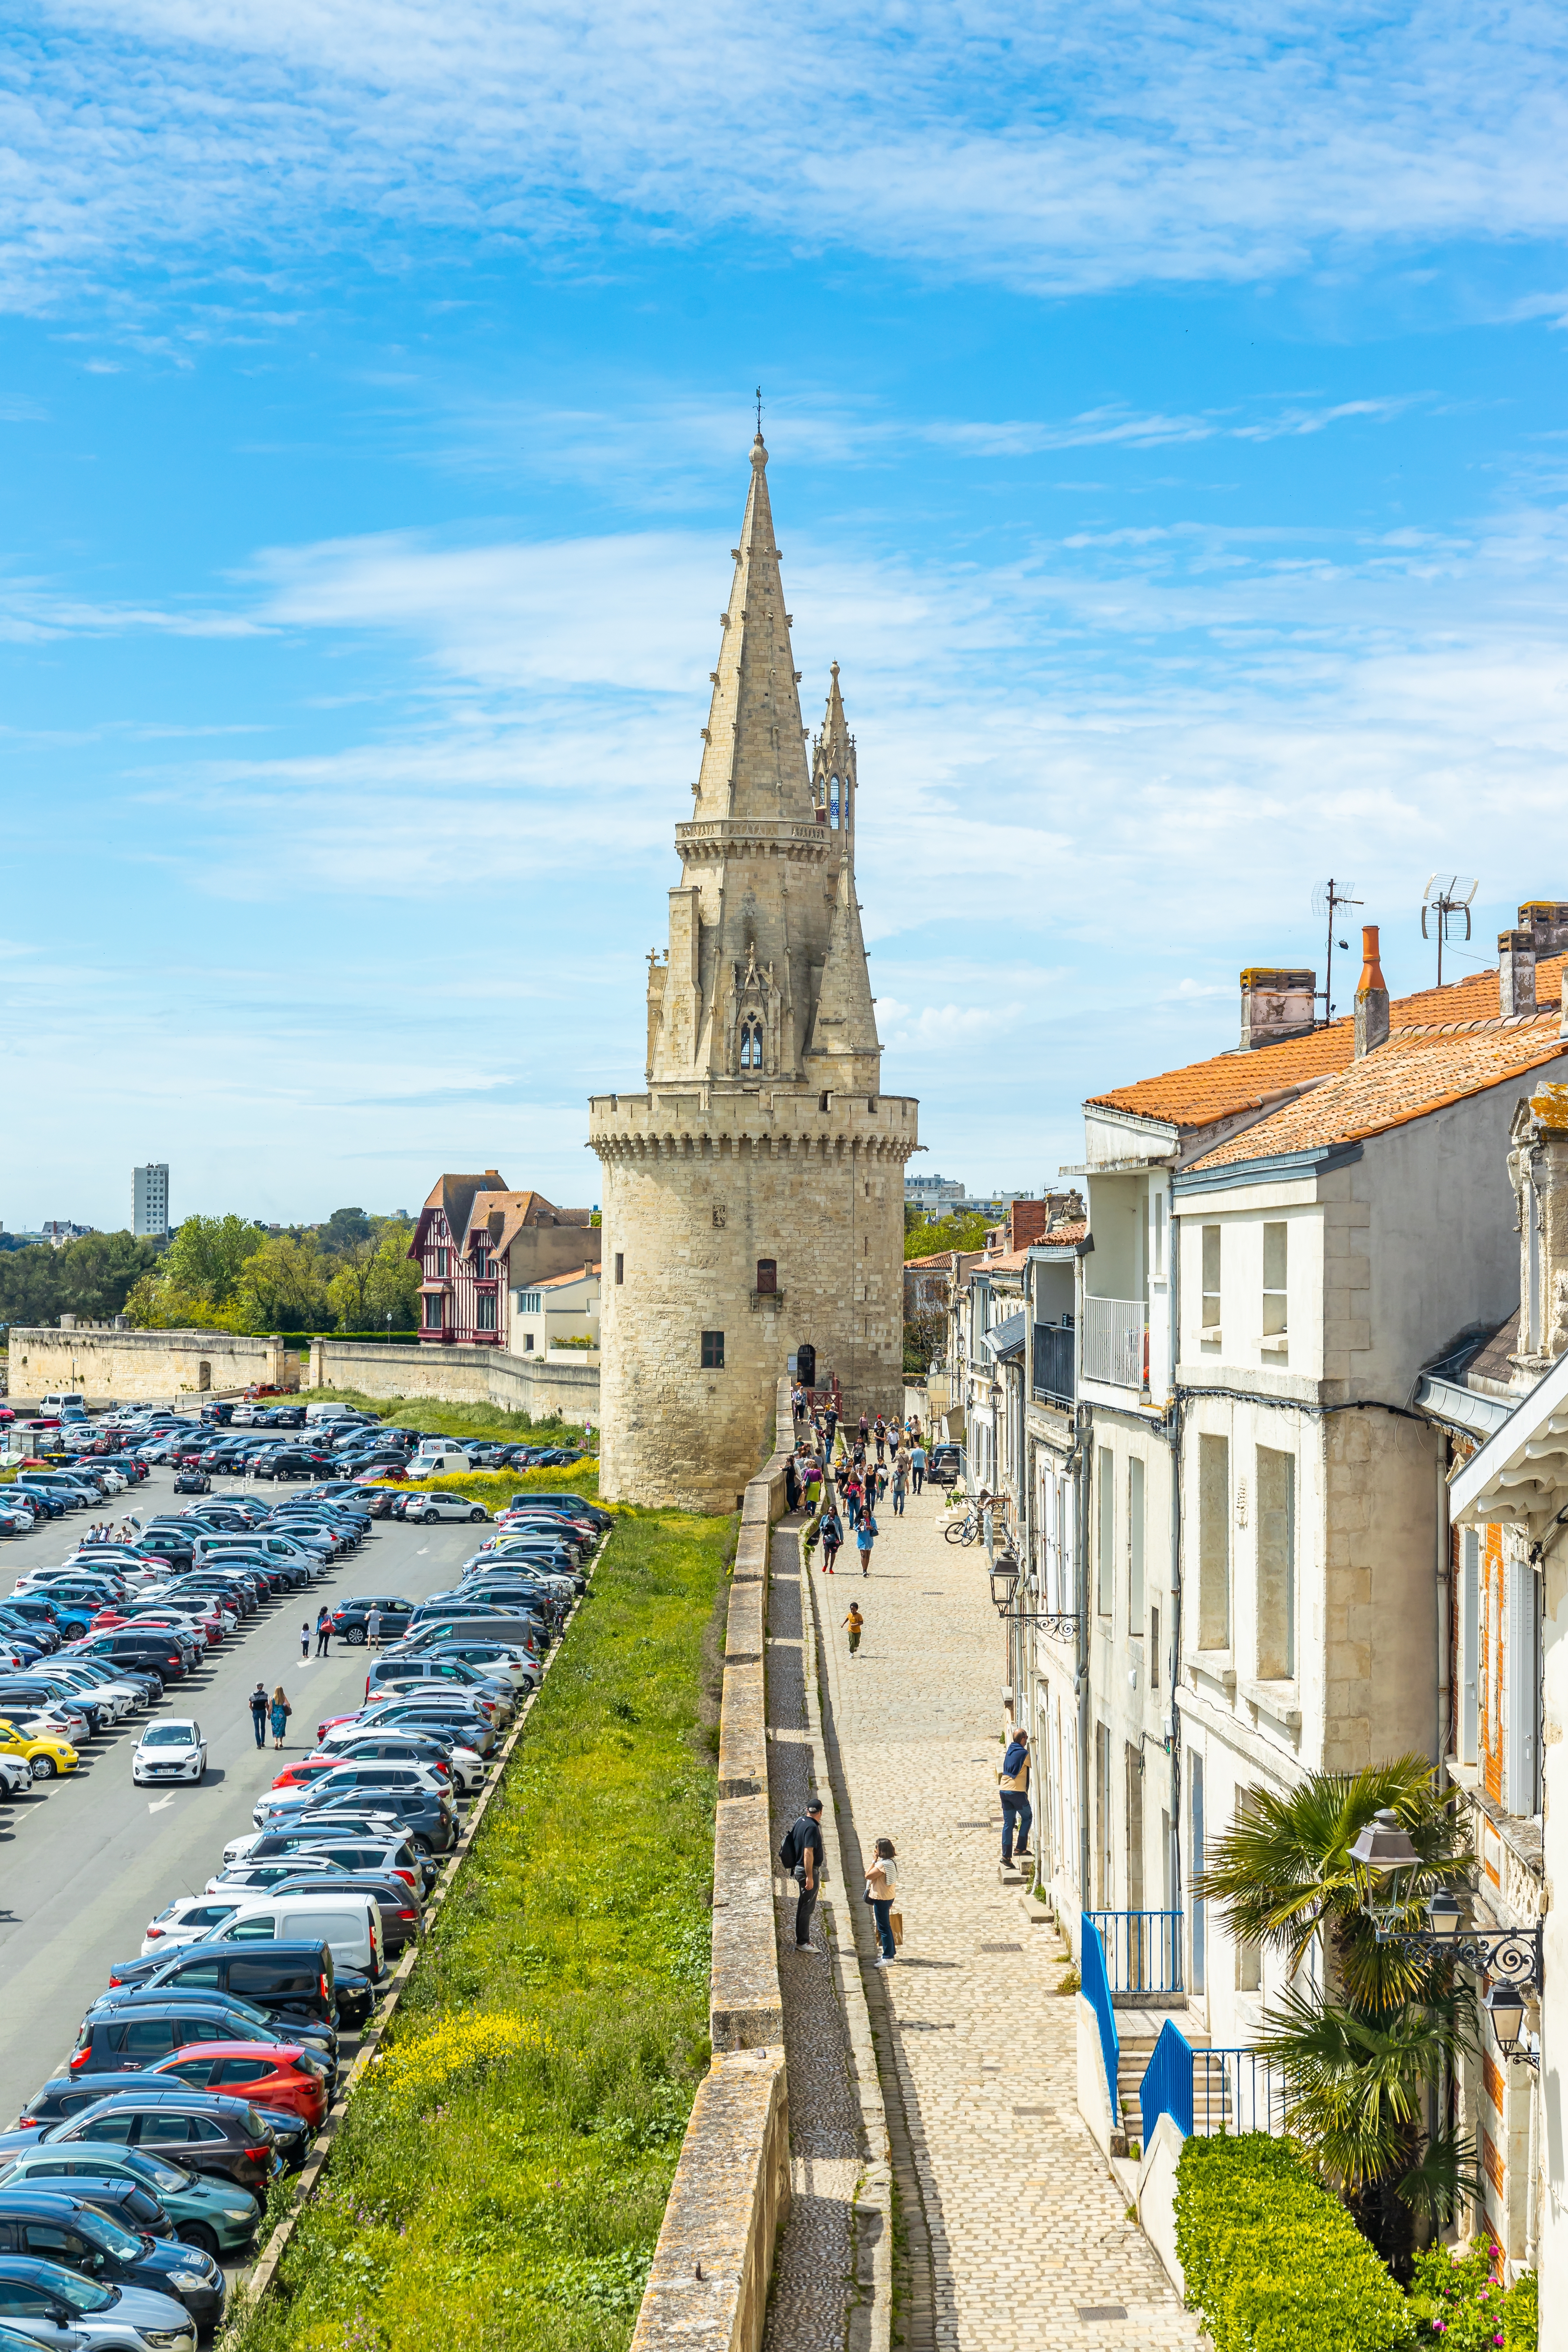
(42, 1754)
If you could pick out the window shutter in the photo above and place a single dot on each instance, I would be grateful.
(1523, 1693)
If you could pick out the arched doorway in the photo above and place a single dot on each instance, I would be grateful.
(806, 1365)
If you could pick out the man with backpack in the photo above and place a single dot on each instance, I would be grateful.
(801, 1854)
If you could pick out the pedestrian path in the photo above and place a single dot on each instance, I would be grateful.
(1026, 2228)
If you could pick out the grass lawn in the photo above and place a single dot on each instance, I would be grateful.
(502, 2174)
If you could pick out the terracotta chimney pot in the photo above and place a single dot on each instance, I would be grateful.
(1370, 997)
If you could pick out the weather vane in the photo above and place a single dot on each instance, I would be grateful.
(759, 412)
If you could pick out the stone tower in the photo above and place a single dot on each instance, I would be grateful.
(753, 1195)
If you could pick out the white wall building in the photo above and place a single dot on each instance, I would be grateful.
(150, 1198)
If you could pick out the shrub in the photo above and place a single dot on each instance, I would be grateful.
(1461, 2303)
(1273, 2261)
(1522, 2314)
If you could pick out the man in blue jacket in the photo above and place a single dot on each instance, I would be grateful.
(1017, 1808)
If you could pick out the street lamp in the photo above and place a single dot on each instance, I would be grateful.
(1511, 1957)
(1005, 1576)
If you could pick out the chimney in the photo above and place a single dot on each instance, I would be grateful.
(1274, 1004)
(1546, 920)
(1516, 953)
(1370, 997)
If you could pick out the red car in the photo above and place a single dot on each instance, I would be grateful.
(271, 2074)
(308, 1769)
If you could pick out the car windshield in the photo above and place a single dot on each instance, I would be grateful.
(80, 2292)
(109, 2235)
(168, 2180)
(169, 1735)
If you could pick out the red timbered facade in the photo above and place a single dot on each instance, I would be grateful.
(477, 1244)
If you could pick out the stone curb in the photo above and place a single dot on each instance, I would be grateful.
(870, 2320)
(249, 2289)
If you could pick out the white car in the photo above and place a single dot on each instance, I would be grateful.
(186, 1921)
(171, 1750)
(15, 1775)
(428, 1508)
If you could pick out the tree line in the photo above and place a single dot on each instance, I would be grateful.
(228, 1273)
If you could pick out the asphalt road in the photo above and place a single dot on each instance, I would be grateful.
(87, 1860)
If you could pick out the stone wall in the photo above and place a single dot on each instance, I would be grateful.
(708, 2288)
(151, 1366)
(545, 1386)
(699, 1186)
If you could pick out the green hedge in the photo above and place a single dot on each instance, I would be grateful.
(1272, 2261)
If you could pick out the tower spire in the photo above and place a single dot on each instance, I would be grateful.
(754, 754)
(844, 1050)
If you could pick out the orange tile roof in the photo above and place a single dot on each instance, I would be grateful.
(1228, 1084)
(1417, 1071)
(558, 1281)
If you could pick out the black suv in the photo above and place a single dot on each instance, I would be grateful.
(278, 1978)
(226, 2017)
(226, 2138)
(128, 2040)
(942, 1465)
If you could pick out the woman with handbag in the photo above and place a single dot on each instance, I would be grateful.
(881, 1894)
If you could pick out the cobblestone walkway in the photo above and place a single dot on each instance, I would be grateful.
(1026, 2226)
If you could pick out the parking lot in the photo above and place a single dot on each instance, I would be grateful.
(88, 1859)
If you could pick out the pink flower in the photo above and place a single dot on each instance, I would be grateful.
(1439, 2328)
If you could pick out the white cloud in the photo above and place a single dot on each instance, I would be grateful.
(1208, 144)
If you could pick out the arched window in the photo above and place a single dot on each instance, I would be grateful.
(833, 801)
(751, 1043)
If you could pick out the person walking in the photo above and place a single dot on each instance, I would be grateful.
(882, 1886)
(373, 1629)
(832, 1539)
(801, 1854)
(900, 1487)
(279, 1711)
(918, 1466)
(792, 1487)
(259, 1713)
(856, 1625)
(1017, 1810)
(832, 1426)
(866, 1534)
(323, 1631)
(305, 1642)
(987, 1525)
(865, 1431)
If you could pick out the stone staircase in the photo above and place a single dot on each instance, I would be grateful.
(1137, 2032)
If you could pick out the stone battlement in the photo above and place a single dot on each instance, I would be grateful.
(688, 1122)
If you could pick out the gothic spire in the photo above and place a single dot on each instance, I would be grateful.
(844, 1050)
(753, 755)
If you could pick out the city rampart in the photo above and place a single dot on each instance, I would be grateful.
(151, 1365)
(563, 1385)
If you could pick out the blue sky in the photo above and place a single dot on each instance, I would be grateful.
(1168, 440)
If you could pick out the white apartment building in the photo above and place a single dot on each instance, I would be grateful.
(1228, 1499)
(150, 1198)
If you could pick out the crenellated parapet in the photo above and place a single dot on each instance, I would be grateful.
(709, 1123)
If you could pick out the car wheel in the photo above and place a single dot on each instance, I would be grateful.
(196, 2233)
(43, 1768)
(428, 1519)
(477, 1516)
(355, 1635)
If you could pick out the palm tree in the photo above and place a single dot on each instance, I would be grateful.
(1365, 2052)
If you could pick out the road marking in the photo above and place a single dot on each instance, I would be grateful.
(158, 1804)
(422, 1550)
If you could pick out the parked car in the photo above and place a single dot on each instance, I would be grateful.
(232, 2137)
(200, 2015)
(277, 2074)
(350, 1926)
(184, 1921)
(44, 2303)
(942, 1465)
(429, 1508)
(192, 1482)
(129, 2202)
(171, 1750)
(52, 2226)
(213, 2215)
(351, 1618)
(44, 1755)
(280, 1977)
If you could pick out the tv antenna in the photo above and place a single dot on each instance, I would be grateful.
(1328, 897)
(1446, 898)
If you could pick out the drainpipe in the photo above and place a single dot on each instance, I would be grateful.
(1444, 1600)
(1174, 1259)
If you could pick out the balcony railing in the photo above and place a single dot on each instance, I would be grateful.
(1142, 1949)
(1116, 1342)
(1052, 1371)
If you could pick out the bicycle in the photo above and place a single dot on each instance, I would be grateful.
(962, 1527)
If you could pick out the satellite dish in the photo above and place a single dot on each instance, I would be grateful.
(1326, 896)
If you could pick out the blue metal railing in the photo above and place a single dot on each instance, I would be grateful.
(1142, 1949)
(1237, 2091)
(1168, 2084)
(1097, 1991)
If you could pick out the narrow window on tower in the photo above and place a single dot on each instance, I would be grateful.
(767, 1275)
(712, 1351)
(620, 1265)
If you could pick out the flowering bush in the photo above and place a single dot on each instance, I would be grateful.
(460, 2049)
(1463, 2307)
